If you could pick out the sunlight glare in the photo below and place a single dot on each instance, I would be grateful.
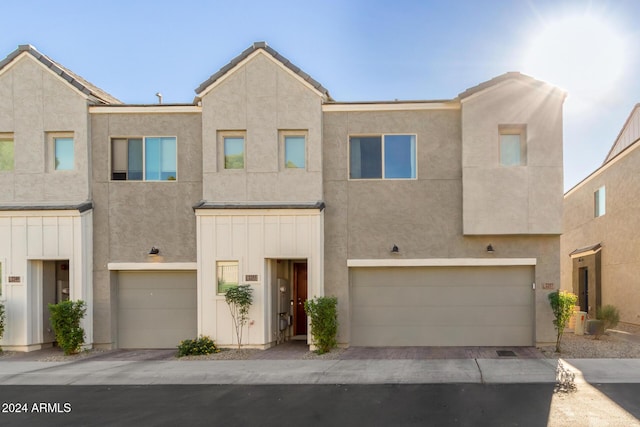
(581, 54)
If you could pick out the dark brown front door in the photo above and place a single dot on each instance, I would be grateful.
(300, 283)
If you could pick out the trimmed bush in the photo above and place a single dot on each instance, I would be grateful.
(197, 347)
(65, 320)
(562, 306)
(324, 322)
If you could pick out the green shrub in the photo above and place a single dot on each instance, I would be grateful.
(324, 322)
(199, 346)
(562, 306)
(239, 298)
(2, 320)
(65, 320)
(610, 315)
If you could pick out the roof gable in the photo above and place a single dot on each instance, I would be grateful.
(506, 77)
(629, 134)
(92, 92)
(246, 55)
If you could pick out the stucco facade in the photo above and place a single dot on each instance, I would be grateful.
(599, 248)
(266, 180)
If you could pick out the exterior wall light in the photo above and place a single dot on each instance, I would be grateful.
(490, 249)
(154, 251)
(395, 249)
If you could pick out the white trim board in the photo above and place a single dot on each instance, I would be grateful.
(151, 266)
(441, 262)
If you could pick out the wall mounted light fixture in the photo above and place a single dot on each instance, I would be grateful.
(490, 249)
(395, 249)
(154, 251)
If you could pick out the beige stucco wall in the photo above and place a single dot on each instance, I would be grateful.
(423, 217)
(261, 98)
(515, 199)
(35, 101)
(132, 216)
(616, 231)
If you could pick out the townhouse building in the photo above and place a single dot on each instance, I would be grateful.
(433, 222)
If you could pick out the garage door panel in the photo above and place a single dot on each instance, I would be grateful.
(156, 309)
(440, 336)
(442, 316)
(430, 296)
(442, 306)
(157, 299)
(444, 276)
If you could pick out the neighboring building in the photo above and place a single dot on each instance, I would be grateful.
(600, 250)
(431, 221)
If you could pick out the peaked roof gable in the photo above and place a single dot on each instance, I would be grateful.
(511, 75)
(94, 93)
(257, 46)
(629, 134)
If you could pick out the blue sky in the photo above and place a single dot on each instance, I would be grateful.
(359, 50)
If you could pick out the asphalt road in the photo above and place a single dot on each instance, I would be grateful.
(291, 405)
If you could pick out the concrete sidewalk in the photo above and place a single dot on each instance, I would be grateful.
(263, 372)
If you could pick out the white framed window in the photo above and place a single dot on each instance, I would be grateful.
(149, 158)
(294, 146)
(513, 145)
(227, 275)
(387, 156)
(61, 149)
(232, 150)
(6, 152)
(599, 202)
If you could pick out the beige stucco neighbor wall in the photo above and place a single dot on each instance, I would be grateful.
(516, 199)
(423, 217)
(132, 216)
(36, 102)
(261, 99)
(616, 231)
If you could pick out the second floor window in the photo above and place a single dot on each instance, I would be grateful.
(599, 202)
(63, 153)
(234, 152)
(382, 157)
(144, 159)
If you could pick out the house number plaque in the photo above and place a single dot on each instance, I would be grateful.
(13, 279)
(548, 286)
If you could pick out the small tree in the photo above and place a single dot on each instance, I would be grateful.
(324, 322)
(239, 298)
(65, 320)
(562, 304)
(2, 320)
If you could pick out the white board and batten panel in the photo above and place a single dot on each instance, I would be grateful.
(251, 237)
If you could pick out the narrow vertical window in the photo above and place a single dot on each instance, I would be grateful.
(599, 202)
(160, 159)
(63, 153)
(294, 152)
(6, 154)
(234, 152)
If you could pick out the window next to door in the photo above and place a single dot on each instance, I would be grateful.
(144, 159)
(227, 274)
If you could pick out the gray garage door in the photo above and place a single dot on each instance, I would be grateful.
(156, 309)
(442, 306)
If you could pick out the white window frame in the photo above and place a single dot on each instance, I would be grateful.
(222, 135)
(227, 262)
(9, 137)
(513, 129)
(381, 135)
(283, 148)
(599, 202)
(51, 151)
(144, 162)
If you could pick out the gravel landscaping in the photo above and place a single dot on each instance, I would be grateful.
(621, 343)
